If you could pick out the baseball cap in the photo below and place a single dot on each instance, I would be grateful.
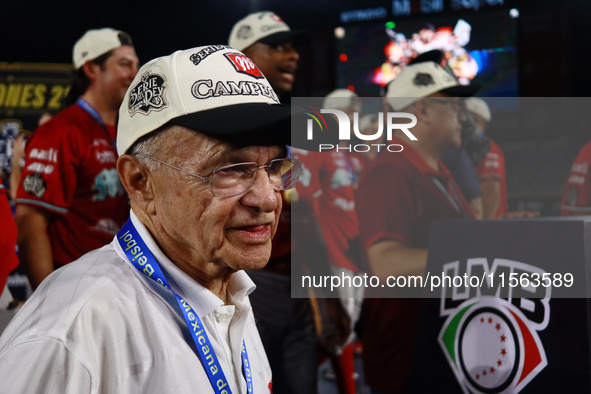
(342, 99)
(421, 80)
(214, 89)
(478, 106)
(264, 26)
(97, 42)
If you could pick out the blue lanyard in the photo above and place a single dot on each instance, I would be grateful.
(96, 116)
(140, 256)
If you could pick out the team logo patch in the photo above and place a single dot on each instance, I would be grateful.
(35, 185)
(276, 18)
(148, 94)
(244, 65)
(423, 79)
(244, 32)
(196, 58)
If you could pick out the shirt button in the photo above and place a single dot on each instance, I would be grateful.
(222, 317)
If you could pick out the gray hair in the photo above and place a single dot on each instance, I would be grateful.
(157, 144)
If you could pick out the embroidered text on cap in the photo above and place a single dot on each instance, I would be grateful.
(196, 58)
(148, 94)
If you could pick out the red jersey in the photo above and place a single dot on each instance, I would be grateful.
(327, 184)
(493, 167)
(576, 198)
(8, 257)
(398, 198)
(70, 171)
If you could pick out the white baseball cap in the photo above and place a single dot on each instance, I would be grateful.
(97, 42)
(422, 80)
(213, 89)
(342, 99)
(478, 106)
(263, 26)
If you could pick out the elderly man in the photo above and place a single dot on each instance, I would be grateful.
(164, 307)
(399, 197)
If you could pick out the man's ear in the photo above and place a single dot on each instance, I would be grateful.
(136, 179)
(421, 111)
(90, 69)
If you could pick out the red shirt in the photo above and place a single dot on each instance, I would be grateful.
(327, 184)
(576, 198)
(70, 171)
(493, 167)
(398, 198)
(8, 257)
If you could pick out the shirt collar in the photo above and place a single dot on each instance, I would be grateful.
(201, 299)
(416, 160)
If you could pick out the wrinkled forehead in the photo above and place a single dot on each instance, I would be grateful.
(262, 154)
(193, 146)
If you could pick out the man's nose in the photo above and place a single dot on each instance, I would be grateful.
(291, 53)
(261, 194)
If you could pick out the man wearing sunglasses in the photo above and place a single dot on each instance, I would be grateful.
(399, 197)
(165, 307)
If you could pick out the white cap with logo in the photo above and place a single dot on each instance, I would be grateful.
(421, 80)
(97, 42)
(264, 26)
(212, 89)
(479, 107)
(342, 99)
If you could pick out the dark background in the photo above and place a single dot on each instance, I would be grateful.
(553, 38)
(553, 44)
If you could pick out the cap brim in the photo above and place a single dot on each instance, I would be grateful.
(295, 36)
(462, 90)
(243, 124)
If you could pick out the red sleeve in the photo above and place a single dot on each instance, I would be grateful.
(8, 257)
(49, 175)
(492, 165)
(385, 206)
(576, 197)
(308, 185)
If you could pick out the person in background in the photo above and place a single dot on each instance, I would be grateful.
(491, 170)
(576, 197)
(461, 161)
(349, 102)
(70, 199)
(399, 197)
(9, 131)
(18, 155)
(8, 258)
(329, 187)
(266, 39)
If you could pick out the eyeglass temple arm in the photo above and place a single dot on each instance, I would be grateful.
(205, 179)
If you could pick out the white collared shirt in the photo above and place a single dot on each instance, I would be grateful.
(98, 325)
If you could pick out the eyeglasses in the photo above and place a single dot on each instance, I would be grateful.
(456, 105)
(237, 179)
